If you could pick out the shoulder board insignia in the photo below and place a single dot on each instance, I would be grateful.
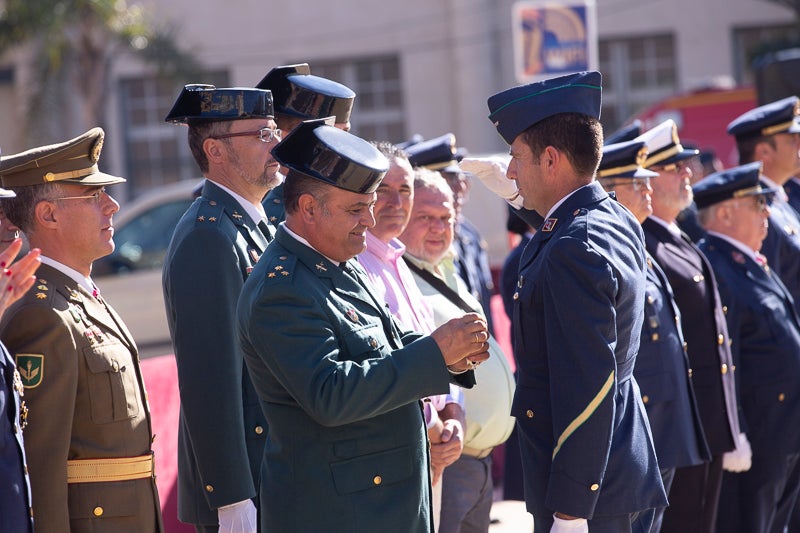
(31, 369)
(278, 267)
(273, 218)
(201, 218)
(41, 295)
(321, 267)
(42, 288)
(276, 200)
(271, 275)
(236, 215)
(212, 202)
(42, 281)
(549, 224)
(738, 257)
(212, 219)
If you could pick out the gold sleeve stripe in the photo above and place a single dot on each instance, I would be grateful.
(584, 416)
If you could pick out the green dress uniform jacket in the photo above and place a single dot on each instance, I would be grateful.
(340, 385)
(86, 400)
(222, 430)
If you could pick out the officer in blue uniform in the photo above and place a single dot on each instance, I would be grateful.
(215, 246)
(771, 134)
(472, 258)
(695, 494)
(662, 365)
(338, 381)
(587, 450)
(299, 95)
(765, 335)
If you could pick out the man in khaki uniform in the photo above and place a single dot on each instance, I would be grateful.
(89, 433)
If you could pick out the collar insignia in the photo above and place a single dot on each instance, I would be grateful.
(549, 224)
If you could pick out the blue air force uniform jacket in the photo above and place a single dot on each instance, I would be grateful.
(222, 430)
(765, 331)
(585, 441)
(704, 328)
(664, 377)
(340, 387)
(15, 489)
(781, 247)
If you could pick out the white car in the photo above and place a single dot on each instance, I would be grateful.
(130, 278)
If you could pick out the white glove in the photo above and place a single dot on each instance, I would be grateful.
(239, 517)
(740, 459)
(492, 172)
(579, 525)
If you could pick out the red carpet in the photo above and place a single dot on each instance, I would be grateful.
(161, 380)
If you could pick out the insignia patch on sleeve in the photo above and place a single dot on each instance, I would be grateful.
(31, 369)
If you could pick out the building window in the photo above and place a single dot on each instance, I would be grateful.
(637, 72)
(749, 43)
(156, 152)
(378, 108)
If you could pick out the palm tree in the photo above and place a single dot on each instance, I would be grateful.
(63, 51)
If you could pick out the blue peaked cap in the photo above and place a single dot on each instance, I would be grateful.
(736, 182)
(514, 110)
(782, 116)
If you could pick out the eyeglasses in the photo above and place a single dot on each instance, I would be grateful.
(94, 196)
(265, 135)
(762, 202)
(680, 166)
(637, 184)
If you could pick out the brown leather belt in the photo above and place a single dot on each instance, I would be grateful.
(110, 469)
(476, 453)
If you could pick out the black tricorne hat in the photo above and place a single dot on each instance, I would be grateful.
(317, 149)
(299, 93)
(199, 102)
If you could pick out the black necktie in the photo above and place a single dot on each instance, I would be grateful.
(265, 230)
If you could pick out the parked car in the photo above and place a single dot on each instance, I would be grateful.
(130, 278)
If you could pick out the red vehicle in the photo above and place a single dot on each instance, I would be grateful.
(702, 117)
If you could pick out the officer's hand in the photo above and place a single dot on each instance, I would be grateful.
(492, 172)
(448, 449)
(16, 279)
(462, 341)
(240, 517)
(740, 459)
(561, 525)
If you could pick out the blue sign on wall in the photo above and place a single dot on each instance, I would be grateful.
(553, 38)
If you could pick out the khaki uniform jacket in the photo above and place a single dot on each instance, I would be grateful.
(86, 400)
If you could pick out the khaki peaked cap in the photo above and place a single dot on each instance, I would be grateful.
(73, 161)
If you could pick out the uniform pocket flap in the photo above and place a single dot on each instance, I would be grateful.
(102, 358)
(373, 470)
(103, 500)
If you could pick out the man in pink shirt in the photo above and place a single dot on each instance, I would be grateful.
(383, 261)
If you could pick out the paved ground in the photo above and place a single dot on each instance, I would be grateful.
(512, 516)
